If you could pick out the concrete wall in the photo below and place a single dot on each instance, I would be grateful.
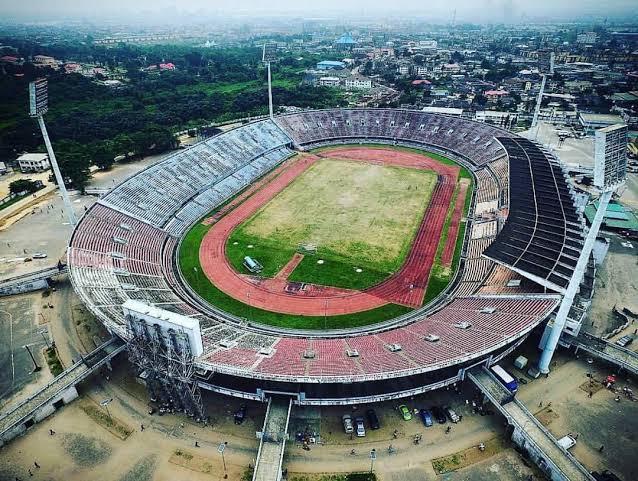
(535, 455)
(42, 413)
(26, 286)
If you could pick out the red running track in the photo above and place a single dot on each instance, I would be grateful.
(407, 286)
(453, 229)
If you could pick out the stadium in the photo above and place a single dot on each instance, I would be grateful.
(464, 240)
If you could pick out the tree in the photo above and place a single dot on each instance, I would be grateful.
(74, 162)
(24, 185)
(102, 154)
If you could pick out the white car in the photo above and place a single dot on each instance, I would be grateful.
(39, 255)
(347, 423)
(361, 430)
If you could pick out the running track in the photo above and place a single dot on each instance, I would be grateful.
(407, 286)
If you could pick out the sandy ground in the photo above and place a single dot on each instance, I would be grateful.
(5, 180)
(616, 285)
(598, 420)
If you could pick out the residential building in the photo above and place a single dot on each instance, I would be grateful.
(592, 122)
(358, 82)
(329, 81)
(34, 162)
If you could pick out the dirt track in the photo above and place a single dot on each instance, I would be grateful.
(407, 286)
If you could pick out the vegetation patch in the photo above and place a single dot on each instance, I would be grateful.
(111, 424)
(362, 218)
(468, 457)
(55, 366)
(191, 461)
(359, 476)
(143, 470)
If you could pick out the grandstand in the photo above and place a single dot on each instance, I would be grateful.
(125, 248)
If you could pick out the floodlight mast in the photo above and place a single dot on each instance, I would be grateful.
(266, 58)
(38, 106)
(609, 174)
(544, 72)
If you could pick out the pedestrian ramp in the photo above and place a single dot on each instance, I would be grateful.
(273, 437)
(529, 433)
(607, 351)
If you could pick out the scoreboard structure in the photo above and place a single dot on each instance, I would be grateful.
(610, 167)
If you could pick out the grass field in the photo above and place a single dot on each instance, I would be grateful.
(189, 259)
(274, 256)
(361, 216)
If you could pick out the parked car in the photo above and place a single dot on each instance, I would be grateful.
(568, 441)
(240, 414)
(373, 419)
(451, 414)
(347, 423)
(361, 429)
(439, 415)
(624, 341)
(426, 417)
(405, 412)
(39, 255)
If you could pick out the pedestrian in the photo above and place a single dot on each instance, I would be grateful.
(590, 394)
(142, 427)
(540, 404)
(51, 432)
(448, 429)
(35, 463)
(196, 444)
(30, 473)
(600, 449)
(460, 417)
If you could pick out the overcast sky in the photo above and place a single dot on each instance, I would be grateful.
(171, 10)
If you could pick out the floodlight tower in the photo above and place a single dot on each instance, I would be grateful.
(545, 67)
(38, 106)
(610, 172)
(269, 56)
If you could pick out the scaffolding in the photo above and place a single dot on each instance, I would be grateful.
(164, 359)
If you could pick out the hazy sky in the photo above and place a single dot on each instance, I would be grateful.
(172, 10)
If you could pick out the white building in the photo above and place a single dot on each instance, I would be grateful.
(358, 82)
(429, 44)
(33, 162)
(588, 38)
(329, 81)
(421, 70)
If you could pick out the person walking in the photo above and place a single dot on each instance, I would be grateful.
(142, 427)
(600, 449)
(51, 432)
(35, 463)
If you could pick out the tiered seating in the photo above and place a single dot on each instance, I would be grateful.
(121, 250)
(158, 192)
(471, 140)
(201, 204)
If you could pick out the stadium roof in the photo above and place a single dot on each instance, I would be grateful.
(346, 39)
(542, 237)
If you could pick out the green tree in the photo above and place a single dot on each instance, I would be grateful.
(75, 162)
(102, 154)
(23, 185)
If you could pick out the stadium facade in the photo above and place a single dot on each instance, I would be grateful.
(521, 244)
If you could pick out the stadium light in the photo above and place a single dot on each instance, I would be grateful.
(38, 106)
(269, 54)
(610, 172)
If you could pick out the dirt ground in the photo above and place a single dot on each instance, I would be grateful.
(616, 285)
(598, 420)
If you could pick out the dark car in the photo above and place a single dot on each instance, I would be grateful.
(373, 420)
(438, 414)
(426, 417)
(240, 415)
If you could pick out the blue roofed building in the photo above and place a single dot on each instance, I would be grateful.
(330, 65)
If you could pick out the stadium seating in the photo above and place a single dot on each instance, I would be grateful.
(124, 247)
